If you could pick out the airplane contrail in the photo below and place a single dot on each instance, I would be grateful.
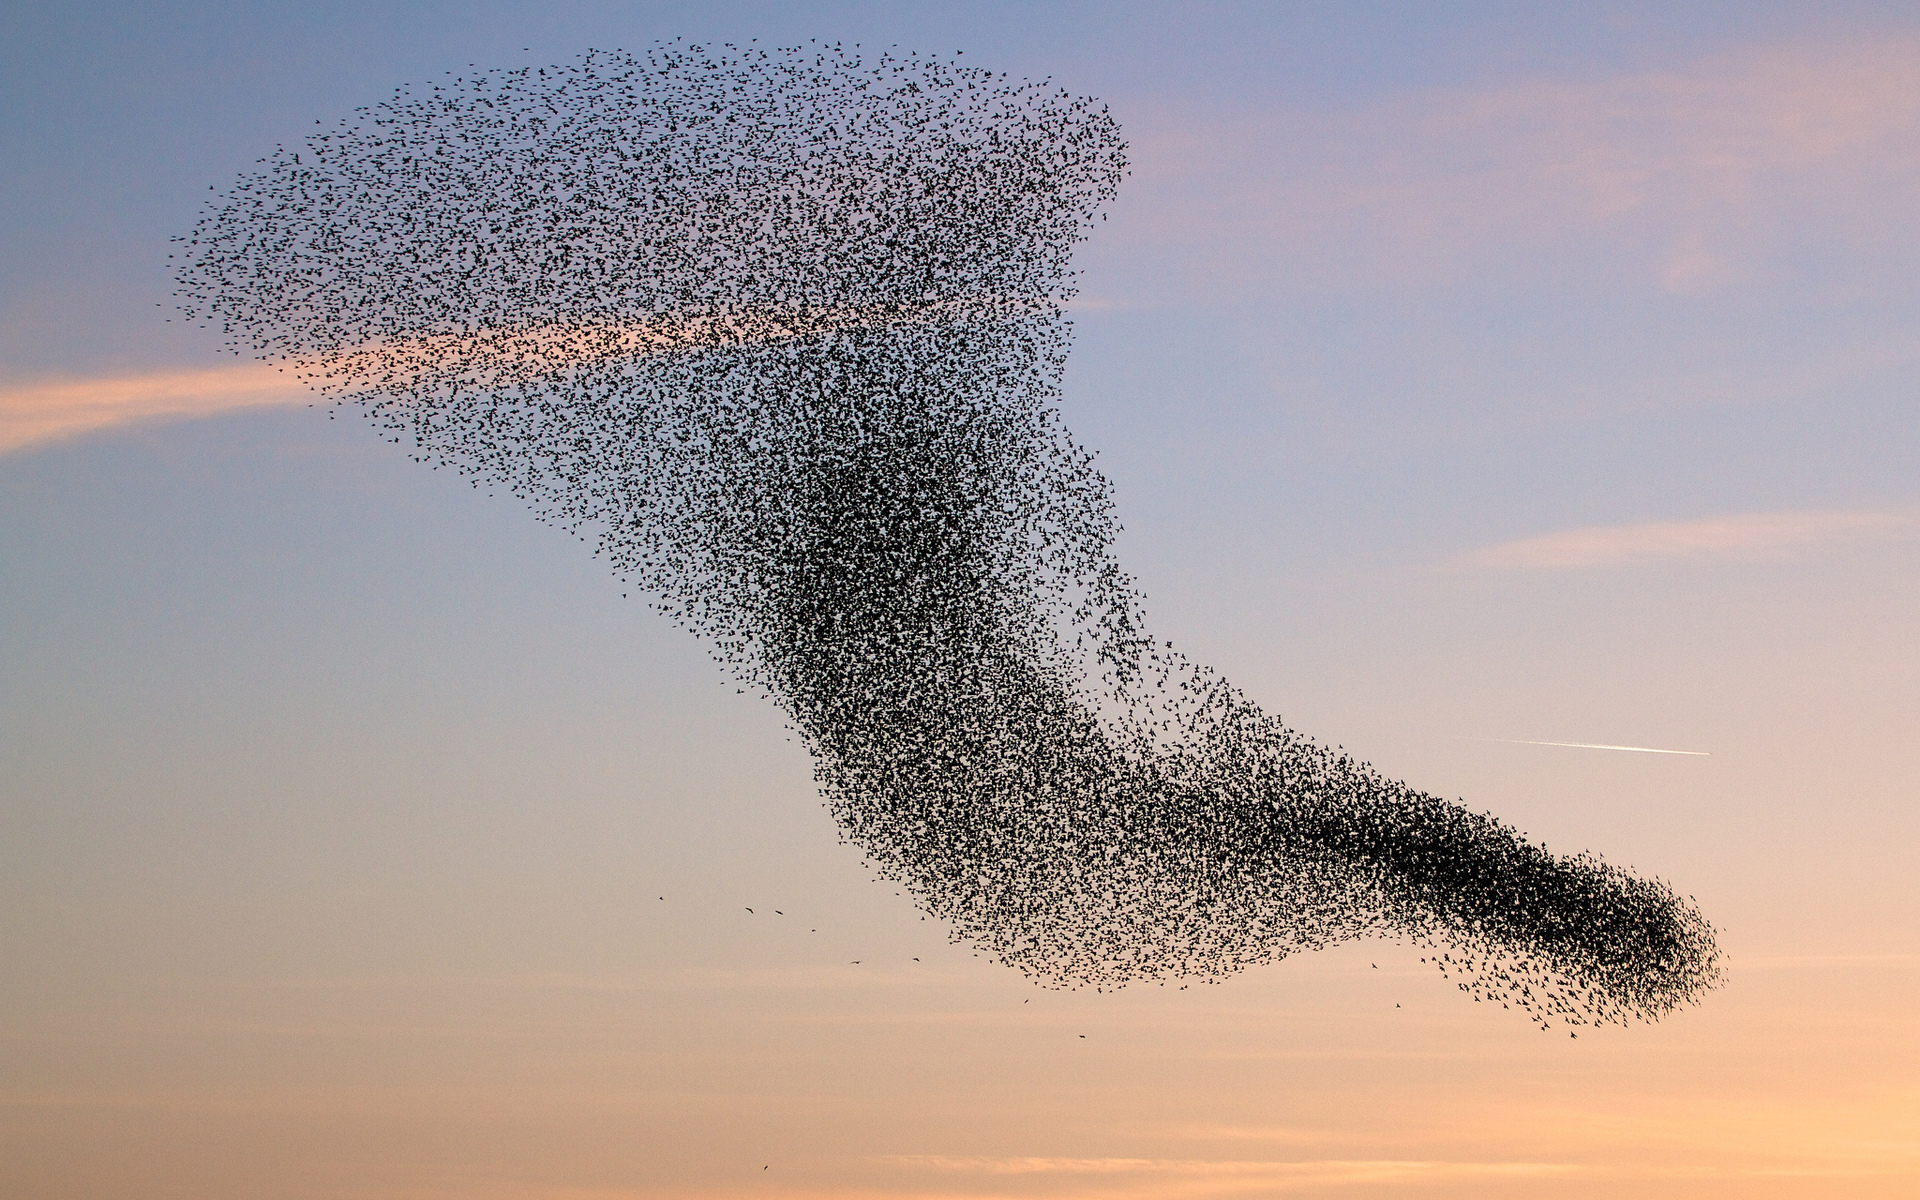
(1595, 746)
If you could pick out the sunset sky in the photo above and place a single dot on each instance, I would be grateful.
(1482, 384)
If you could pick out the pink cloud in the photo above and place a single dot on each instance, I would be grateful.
(1744, 536)
(1686, 180)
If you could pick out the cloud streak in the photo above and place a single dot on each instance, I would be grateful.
(1596, 746)
(1206, 1176)
(48, 412)
(1740, 537)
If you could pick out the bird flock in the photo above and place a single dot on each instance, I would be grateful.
(781, 332)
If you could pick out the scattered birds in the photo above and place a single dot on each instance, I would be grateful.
(781, 334)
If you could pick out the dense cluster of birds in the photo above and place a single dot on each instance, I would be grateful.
(781, 331)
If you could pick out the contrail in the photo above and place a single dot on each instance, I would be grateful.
(1594, 746)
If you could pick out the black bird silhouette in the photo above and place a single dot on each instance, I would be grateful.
(781, 333)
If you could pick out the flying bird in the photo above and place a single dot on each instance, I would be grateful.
(781, 332)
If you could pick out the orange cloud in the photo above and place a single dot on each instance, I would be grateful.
(502, 357)
(50, 411)
(1321, 1171)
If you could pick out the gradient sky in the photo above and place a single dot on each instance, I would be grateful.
(1470, 375)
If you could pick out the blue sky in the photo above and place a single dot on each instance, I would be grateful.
(1465, 372)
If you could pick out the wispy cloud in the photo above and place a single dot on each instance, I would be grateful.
(47, 412)
(1825, 962)
(504, 357)
(1278, 1134)
(1192, 1176)
(1686, 180)
(1747, 536)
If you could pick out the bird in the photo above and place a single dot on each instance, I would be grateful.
(781, 333)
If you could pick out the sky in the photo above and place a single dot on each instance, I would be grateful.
(1471, 377)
